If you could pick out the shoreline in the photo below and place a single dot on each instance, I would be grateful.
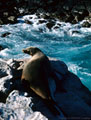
(65, 11)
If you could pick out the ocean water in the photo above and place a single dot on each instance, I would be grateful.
(66, 42)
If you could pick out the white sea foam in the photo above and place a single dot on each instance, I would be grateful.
(4, 52)
(88, 74)
(73, 67)
(64, 28)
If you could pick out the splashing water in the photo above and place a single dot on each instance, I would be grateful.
(67, 42)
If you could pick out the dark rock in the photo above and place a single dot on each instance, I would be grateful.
(62, 9)
(5, 79)
(84, 12)
(71, 95)
(42, 21)
(12, 19)
(5, 14)
(80, 14)
(56, 27)
(77, 96)
(62, 14)
(69, 18)
(5, 34)
(76, 32)
(59, 24)
(1, 22)
(8, 11)
(50, 24)
(46, 16)
(28, 22)
(86, 24)
(1, 47)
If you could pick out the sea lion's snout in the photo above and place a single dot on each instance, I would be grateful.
(26, 51)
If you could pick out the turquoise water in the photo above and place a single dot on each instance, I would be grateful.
(69, 43)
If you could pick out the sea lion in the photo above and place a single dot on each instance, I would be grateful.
(36, 72)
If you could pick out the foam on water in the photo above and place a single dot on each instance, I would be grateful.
(67, 42)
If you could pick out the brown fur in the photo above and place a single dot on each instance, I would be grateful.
(36, 71)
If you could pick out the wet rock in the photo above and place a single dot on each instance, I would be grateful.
(59, 66)
(86, 24)
(42, 21)
(16, 73)
(77, 96)
(76, 32)
(18, 107)
(56, 27)
(1, 47)
(14, 63)
(28, 22)
(5, 79)
(49, 25)
(5, 34)
(70, 94)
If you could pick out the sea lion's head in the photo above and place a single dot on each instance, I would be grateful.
(31, 50)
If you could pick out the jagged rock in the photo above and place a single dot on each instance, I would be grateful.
(5, 80)
(42, 21)
(56, 27)
(77, 96)
(76, 32)
(86, 24)
(18, 107)
(28, 22)
(70, 94)
(1, 47)
(50, 24)
(60, 9)
(5, 34)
